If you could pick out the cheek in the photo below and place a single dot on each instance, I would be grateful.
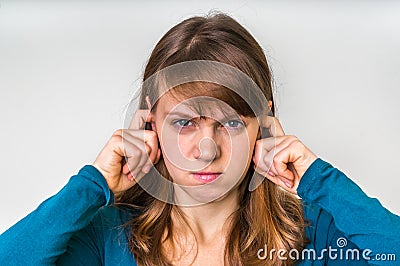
(175, 153)
(177, 174)
(241, 154)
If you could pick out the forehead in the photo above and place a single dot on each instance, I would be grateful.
(206, 98)
(189, 107)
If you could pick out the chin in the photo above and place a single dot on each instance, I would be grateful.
(202, 195)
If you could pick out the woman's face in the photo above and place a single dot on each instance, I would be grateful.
(206, 156)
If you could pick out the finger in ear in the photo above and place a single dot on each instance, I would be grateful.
(148, 102)
(258, 134)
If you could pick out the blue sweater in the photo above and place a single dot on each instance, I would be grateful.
(79, 225)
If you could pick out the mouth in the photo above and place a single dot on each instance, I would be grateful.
(206, 177)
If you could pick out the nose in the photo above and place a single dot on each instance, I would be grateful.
(207, 149)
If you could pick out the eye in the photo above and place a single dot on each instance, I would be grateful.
(236, 124)
(183, 123)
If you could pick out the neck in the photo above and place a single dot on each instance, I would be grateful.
(209, 221)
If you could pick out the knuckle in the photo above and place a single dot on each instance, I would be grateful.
(258, 144)
(118, 132)
(151, 135)
(136, 153)
(276, 159)
(257, 151)
(294, 140)
(298, 144)
(116, 138)
(132, 155)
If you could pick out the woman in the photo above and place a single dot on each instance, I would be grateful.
(210, 206)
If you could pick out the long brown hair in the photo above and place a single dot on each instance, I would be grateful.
(266, 216)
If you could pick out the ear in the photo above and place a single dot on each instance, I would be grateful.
(151, 116)
(151, 123)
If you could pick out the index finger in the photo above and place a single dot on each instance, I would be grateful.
(139, 119)
(272, 124)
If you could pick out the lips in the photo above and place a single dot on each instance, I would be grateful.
(206, 177)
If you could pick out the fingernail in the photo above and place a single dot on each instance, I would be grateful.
(270, 173)
(131, 177)
(288, 184)
(146, 168)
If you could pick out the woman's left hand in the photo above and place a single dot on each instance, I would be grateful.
(282, 159)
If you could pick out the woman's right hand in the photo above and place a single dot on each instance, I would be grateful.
(129, 154)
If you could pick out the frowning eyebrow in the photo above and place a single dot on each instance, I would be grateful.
(180, 114)
(190, 116)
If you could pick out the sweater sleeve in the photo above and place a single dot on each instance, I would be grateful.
(363, 220)
(42, 236)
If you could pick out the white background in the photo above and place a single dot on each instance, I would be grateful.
(68, 69)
